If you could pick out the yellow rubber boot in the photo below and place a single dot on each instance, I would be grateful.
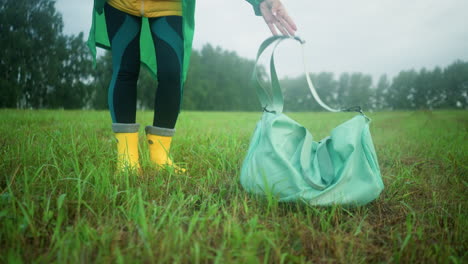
(159, 147)
(127, 147)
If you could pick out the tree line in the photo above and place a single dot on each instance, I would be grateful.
(439, 88)
(41, 67)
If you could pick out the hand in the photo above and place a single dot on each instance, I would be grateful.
(276, 17)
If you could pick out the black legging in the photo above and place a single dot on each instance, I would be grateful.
(124, 35)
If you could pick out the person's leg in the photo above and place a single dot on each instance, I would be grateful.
(124, 34)
(169, 47)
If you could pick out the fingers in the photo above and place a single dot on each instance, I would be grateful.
(281, 27)
(277, 18)
(269, 19)
(272, 29)
(288, 20)
(278, 25)
(289, 28)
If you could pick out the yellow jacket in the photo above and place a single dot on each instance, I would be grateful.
(148, 8)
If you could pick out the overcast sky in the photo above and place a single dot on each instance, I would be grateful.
(370, 36)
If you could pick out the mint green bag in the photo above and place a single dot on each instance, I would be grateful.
(284, 161)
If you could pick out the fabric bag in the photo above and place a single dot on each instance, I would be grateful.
(283, 160)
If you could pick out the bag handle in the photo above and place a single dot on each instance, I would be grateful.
(274, 102)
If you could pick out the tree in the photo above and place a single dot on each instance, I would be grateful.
(219, 80)
(40, 67)
(28, 28)
(455, 89)
(420, 93)
(70, 87)
(297, 96)
(102, 75)
(355, 90)
(402, 89)
(435, 89)
(381, 93)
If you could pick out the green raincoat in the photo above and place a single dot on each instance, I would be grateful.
(98, 34)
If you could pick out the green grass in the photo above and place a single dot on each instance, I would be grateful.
(62, 202)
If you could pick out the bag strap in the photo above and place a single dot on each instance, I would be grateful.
(270, 102)
(274, 102)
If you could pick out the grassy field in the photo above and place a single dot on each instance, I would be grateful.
(62, 202)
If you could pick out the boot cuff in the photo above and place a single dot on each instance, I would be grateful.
(159, 131)
(125, 128)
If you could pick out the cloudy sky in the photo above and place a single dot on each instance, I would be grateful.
(370, 36)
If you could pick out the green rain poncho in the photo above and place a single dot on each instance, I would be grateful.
(98, 34)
